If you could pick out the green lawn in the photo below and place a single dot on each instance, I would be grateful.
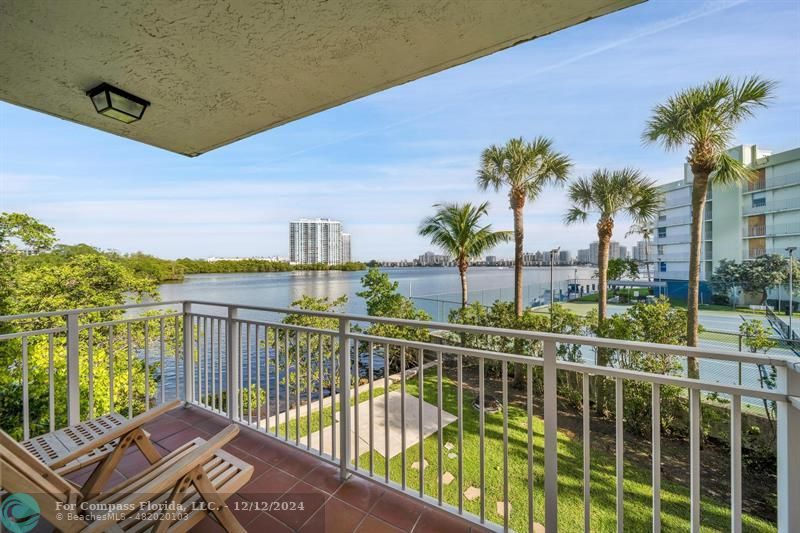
(638, 512)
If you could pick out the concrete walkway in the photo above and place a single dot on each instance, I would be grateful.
(380, 445)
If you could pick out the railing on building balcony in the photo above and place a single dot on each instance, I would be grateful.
(774, 182)
(772, 230)
(322, 389)
(770, 206)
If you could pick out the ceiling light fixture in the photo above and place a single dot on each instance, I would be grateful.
(117, 104)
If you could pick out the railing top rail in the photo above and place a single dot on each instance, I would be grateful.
(599, 342)
(64, 312)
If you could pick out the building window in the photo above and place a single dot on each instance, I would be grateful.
(660, 249)
(662, 218)
(662, 232)
(759, 200)
(662, 267)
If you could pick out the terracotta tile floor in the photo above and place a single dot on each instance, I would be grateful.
(284, 474)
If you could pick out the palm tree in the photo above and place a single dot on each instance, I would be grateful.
(457, 229)
(646, 231)
(525, 168)
(610, 193)
(704, 117)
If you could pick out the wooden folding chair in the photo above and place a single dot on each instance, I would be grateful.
(102, 440)
(198, 477)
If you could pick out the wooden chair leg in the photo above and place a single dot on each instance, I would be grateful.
(146, 446)
(103, 471)
(175, 496)
(216, 503)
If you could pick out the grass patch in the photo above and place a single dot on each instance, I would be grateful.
(675, 505)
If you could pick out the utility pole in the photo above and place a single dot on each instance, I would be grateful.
(791, 250)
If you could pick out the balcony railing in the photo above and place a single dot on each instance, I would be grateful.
(770, 206)
(771, 230)
(296, 383)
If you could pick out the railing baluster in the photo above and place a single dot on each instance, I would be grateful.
(267, 365)
(550, 436)
(111, 404)
(130, 372)
(188, 354)
(90, 360)
(26, 413)
(587, 465)
(403, 417)
(386, 349)
(620, 450)
(788, 442)
(371, 412)
(656, 438)
(356, 393)
(220, 361)
(460, 401)
(146, 366)
(162, 349)
(335, 374)
(344, 401)
(529, 398)
(694, 457)
(200, 361)
(505, 446)
(297, 388)
(439, 422)
(286, 351)
(308, 390)
(234, 361)
(73, 369)
(321, 350)
(51, 384)
(248, 390)
(178, 371)
(736, 463)
(482, 444)
(420, 397)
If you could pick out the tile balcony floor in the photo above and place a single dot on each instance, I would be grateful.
(283, 473)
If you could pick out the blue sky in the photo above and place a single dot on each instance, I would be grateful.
(378, 164)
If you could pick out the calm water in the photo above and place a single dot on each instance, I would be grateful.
(429, 286)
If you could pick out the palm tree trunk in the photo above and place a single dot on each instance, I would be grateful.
(517, 205)
(462, 271)
(699, 191)
(604, 229)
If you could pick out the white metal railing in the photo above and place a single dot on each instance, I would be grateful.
(771, 205)
(771, 230)
(285, 380)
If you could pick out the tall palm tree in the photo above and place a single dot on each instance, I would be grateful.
(525, 168)
(457, 229)
(704, 118)
(646, 231)
(610, 193)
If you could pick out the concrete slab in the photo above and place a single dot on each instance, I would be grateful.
(394, 446)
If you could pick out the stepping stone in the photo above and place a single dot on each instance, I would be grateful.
(452, 456)
(447, 478)
(415, 465)
(538, 528)
(501, 508)
(448, 446)
(472, 493)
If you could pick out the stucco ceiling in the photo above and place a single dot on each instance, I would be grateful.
(218, 71)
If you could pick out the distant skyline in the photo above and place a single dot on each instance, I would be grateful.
(379, 163)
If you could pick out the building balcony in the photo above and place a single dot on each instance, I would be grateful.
(758, 252)
(772, 206)
(771, 230)
(788, 180)
(434, 454)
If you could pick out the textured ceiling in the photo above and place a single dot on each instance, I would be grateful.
(219, 71)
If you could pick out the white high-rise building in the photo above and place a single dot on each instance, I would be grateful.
(346, 251)
(644, 252)
(614, 251)
(741, 222)
(315, 241)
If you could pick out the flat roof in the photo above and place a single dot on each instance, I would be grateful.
(218, 72)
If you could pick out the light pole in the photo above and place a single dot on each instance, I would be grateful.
(791, 250)
(553, 253)
(658, 272)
